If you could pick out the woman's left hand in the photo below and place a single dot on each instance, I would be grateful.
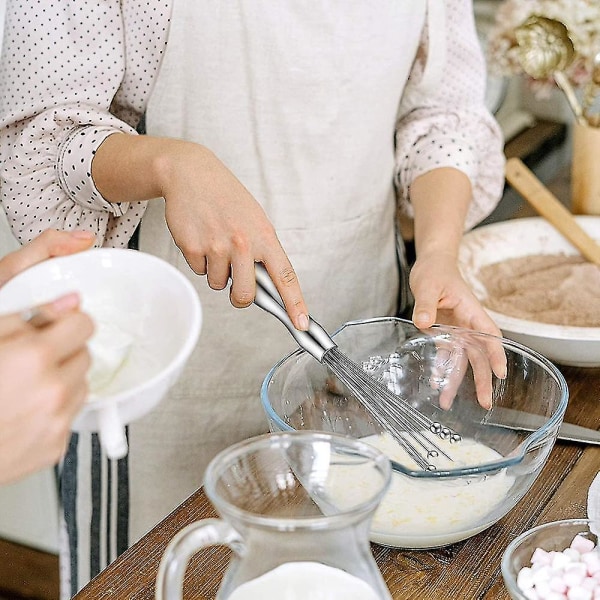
(442, 296)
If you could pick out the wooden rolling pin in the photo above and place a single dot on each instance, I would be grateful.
(549, 207)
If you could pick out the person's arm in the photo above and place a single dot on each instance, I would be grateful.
(445, 123)
(450, 176)
(440, 292)
(218, 225)
(43, 364)
(450, 167)
(59, 143)
(67, 81)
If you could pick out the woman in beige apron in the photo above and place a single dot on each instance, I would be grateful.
(308, 105)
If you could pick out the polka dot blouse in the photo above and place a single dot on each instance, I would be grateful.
(75, 71)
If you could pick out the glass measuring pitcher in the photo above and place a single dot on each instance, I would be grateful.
(295, 509)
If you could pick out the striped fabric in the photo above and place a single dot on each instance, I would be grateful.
(103, 508)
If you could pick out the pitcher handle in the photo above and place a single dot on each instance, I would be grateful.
(191, 539)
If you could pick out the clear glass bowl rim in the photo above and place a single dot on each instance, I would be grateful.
(515, 457)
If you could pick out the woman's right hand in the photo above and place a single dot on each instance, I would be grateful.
(221, 229)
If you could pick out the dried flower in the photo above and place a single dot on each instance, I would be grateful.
(581, 18)
(544, 46)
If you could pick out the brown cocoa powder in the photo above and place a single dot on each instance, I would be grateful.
(550, 288)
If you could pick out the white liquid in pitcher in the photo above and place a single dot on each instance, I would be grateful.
(418, 513)
(305, 581)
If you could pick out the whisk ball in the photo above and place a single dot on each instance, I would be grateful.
(455, 437)
(433, 454)
(435, 428)
(445, 433)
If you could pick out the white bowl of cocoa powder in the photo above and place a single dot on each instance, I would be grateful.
(537, 287)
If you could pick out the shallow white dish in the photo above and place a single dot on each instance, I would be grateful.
(575, 346)
(137, 295)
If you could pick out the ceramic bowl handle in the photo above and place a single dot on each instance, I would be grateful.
(174, 562)
(112, 432)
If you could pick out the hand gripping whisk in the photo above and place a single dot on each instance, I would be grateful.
(394, 414)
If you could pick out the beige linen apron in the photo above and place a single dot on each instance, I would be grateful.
(300, 101)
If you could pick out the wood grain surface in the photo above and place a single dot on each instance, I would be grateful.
(469, 570)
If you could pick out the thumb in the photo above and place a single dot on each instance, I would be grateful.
(424, 316)
(426, 304)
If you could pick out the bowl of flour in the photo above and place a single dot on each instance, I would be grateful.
(537, 287)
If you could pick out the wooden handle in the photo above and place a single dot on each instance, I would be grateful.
(549, 207)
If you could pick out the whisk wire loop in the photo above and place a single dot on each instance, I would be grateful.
(394, 414)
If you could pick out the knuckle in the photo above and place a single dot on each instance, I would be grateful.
(240, 243)
(38, 356)
(288, 276)
(191, 246)
(267, 230)
(219, 249)
(85, 324)
(194, 253)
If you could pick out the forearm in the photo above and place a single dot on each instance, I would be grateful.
(448, 124)
(47, 141)
(440, 200)
(131, 168)
(220, 228)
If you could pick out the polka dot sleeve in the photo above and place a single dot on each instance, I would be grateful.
(72, 73)
(74, 168)
(446, 123)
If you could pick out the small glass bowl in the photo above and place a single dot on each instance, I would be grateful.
(553, 536)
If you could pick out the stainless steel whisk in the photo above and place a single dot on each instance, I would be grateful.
(393, 413)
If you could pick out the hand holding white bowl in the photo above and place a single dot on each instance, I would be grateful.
(148, 311)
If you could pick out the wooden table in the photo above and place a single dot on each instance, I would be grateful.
(468, 570)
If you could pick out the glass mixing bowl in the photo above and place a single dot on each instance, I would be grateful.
(491, 468)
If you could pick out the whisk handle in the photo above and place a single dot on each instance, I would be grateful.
(316, 341)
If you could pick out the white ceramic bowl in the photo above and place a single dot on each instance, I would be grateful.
(576, 346)
(137, 296)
